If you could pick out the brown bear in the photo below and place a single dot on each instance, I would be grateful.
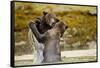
(43, 23)
(51, 40)
(52, 51)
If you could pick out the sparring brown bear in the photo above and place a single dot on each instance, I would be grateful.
(51, 40)
(43, 23)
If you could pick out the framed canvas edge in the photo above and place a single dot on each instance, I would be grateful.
(12, 39)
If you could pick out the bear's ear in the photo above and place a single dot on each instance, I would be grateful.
(44, 12)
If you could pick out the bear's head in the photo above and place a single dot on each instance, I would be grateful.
(49, 19)
(61, 26)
